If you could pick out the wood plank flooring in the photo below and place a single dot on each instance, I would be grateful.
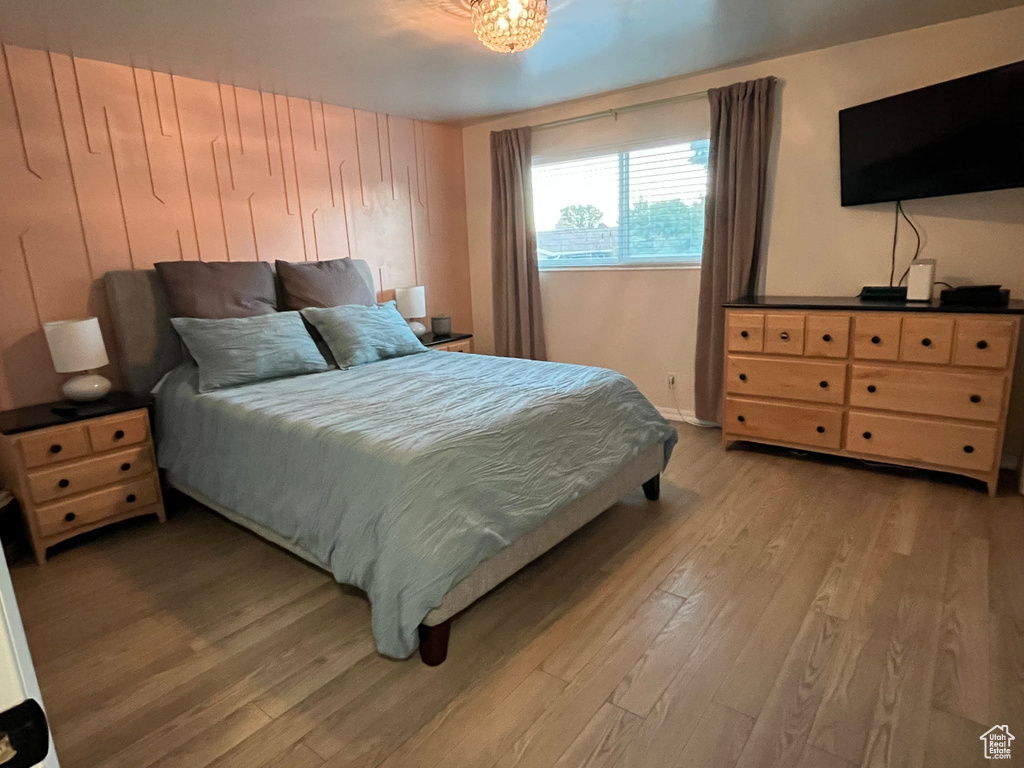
(768, 611)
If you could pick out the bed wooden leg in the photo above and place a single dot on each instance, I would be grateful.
(652, 488)
(434, 643)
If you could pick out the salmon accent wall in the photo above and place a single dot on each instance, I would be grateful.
(108, 167)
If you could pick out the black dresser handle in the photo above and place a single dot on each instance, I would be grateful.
(119, 435)
(926, 342)
(876, 339)
(968, 449)
(975, 398)
(821, 430)
(740, 419)
(826, 337)
(69, 517)
(784, 336)
(125, 467)
(743, 377)
(867, 435)
(823, 384)
(982, 344)
(63, 482)
(130, 498)
(744, 334)
(56, 448)
(872, 388)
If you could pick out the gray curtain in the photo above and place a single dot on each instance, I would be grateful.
(518, 327)
(742, 116)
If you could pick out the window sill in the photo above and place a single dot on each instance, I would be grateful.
(625, 268)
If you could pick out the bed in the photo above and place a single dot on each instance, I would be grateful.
(424, 480)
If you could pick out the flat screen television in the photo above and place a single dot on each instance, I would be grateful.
(964, 135)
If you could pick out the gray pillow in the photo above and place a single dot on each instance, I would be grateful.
(243, 350)
(218, 289)
(322, 284)
(359, 335)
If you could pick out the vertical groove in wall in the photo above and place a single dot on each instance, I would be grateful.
(143, 203)
(71, 169)
(17, 112)
(145, 136)
(120, 192)
(184, 165)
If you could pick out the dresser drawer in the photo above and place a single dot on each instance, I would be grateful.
(960, 446)
(827, 336)
(927, 340)
(50, 446)
(799, 424)
(84, 475)
(819, 382)
(465, 345)
(983, 343)
(977, 396)
(119, 431)
(745, 332)
(784, 334)
(97, 506)
(876, 337)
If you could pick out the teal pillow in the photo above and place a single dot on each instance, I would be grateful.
(357, 334)
(243, 350)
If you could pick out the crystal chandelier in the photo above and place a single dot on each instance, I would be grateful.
(508, 26)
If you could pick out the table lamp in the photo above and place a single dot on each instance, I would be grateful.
(76, 346)
(412, 303)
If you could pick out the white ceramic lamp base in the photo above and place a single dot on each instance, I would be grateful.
(86, 388)
(418, 328)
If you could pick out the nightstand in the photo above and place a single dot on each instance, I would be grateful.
(455, 342)
(78, 467)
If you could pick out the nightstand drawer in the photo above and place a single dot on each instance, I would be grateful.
(67, 480)
(49, 446)
(97, 506)
(456, 346)
(117, 431)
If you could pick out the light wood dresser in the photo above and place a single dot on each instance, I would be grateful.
(918, 385)
(74, 472)
(455, 342)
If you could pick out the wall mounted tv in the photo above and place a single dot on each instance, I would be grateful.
(964, 135)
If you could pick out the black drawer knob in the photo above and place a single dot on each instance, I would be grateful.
(867, 435)
(827, 337)
(821, 430)
(975, 398)
(125, 467)
(823, 384)
(69, 517)
(56, 448)
(63, 483)
(743, 377)
(130, 498)
(784, 336)
(872, 388)
(926, 342)
(119, 435)
(982, 344)
(740, 419)
(876, 339)
(744, 334)
(968, 449)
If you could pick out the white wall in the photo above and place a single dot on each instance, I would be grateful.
(642, 323)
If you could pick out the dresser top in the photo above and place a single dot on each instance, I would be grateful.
(848, 303)
(65, 412)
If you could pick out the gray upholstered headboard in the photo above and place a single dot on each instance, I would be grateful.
(148, 346)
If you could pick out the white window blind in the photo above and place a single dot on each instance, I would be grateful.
(622, 193)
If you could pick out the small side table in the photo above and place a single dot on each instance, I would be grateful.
(78, 467)
(454, 342)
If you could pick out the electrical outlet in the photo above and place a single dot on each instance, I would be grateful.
(671, 381)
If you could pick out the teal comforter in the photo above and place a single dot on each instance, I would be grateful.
(402, 476)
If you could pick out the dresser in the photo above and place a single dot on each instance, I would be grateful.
(75, 470)
(453, 342)
(920, 385)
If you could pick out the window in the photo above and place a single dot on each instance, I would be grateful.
(639, 207)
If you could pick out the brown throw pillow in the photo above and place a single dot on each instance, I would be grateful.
(322, 284)
(219, 289)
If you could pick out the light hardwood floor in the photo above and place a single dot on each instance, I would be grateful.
(766, 612)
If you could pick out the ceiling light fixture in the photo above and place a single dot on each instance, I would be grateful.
(509, 26)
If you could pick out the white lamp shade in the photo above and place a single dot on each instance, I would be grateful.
(76, 345)
(411, 302)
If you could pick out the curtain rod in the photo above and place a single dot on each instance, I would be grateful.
(620, 110)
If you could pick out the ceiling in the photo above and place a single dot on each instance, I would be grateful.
(419, 58)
